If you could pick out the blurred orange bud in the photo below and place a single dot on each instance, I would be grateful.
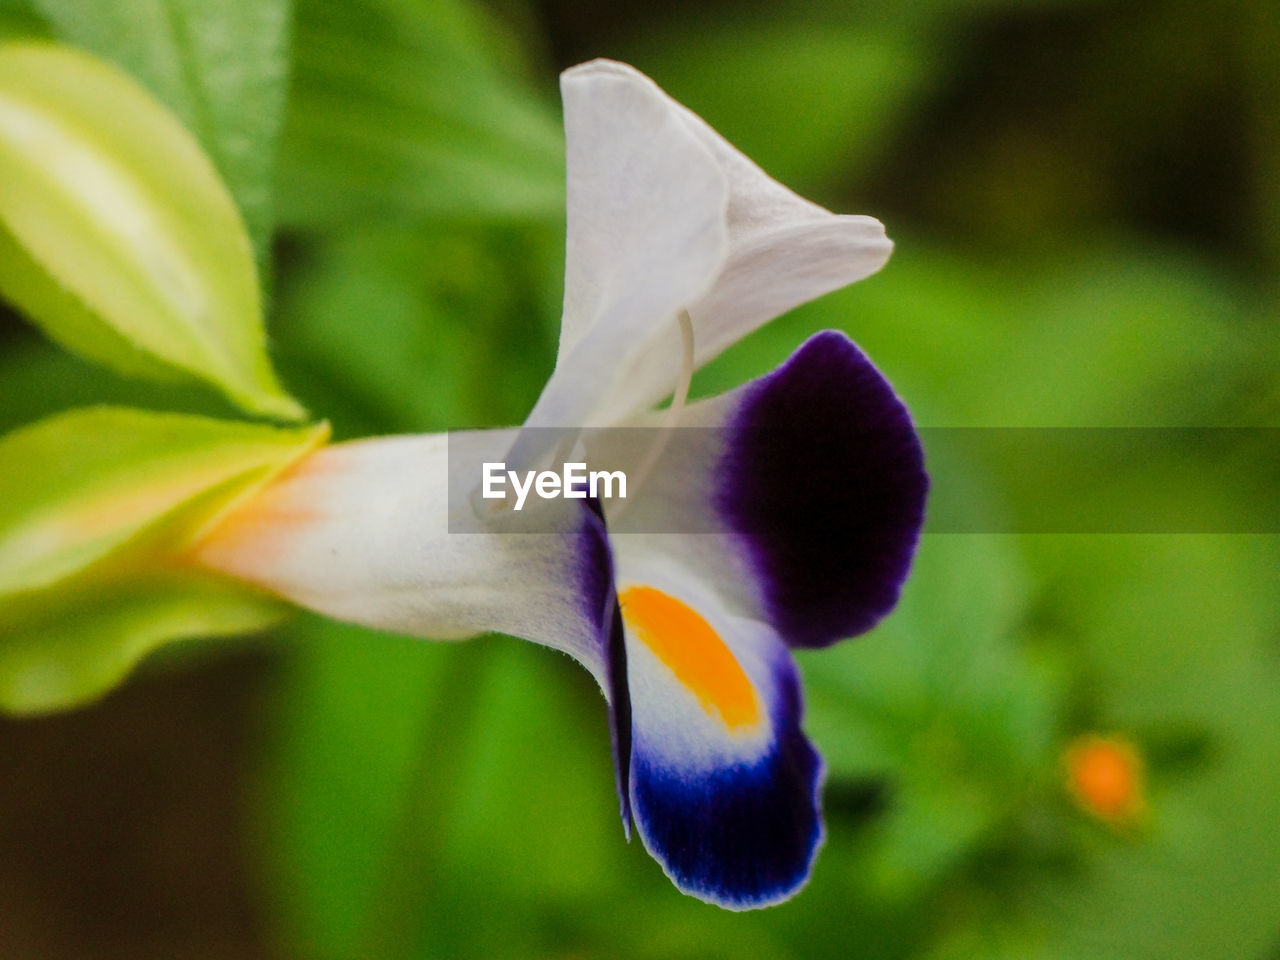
(1104, 775)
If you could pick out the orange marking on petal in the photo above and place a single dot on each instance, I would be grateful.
(683, 640)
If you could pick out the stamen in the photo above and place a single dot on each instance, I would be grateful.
(671, 415)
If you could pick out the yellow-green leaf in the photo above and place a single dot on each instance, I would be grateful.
(61, 648)
(117, 236)
(97, 509)
(79, 487)
(220, 67)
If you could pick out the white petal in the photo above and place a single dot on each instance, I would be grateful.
(646, 237)
(629, 165)
(783, 251)
(361, 532)
(723, 783)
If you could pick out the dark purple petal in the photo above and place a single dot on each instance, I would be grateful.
(823, 480)
(743, 835)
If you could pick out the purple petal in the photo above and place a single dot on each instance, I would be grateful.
(742, 834)
(824, 483)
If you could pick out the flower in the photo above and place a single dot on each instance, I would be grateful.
(797, 509)
(1104, 776)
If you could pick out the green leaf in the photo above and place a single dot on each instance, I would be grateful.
(78, 487)
(62, 648)
(408, 110)
(221, 67)
(96, 509)
(117, 237)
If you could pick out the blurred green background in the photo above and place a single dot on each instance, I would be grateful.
(1085, 198)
